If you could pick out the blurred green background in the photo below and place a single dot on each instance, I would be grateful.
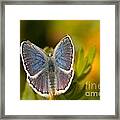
(85, 35)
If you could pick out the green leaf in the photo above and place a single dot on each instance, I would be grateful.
(79, 92)
(38, 97)
(69, 93)
(79, 59)
(90, 58)
(28, 93)
(91, 55)
(83, 64)
(80, 62)
(87, 69)
(60, 97)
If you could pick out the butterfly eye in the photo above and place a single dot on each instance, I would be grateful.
(50, 54)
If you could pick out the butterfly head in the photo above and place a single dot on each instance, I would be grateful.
(49, 51)
(50, 54)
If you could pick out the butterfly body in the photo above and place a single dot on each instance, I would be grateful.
(50, 74)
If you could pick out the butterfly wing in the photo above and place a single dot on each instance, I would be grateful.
(63, 80)
(64, 54)
(64, 58)
(40, 83)
(34, 59)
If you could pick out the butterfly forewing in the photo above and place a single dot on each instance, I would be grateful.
(64, 53)
(34, 59)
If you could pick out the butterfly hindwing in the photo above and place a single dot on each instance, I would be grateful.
(64, 53)
(63, 80)
(40, 83)
(34, 59)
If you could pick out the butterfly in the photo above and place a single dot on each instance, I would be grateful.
(50, 74)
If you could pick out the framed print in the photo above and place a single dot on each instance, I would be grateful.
(82, 64)
(60, 59)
